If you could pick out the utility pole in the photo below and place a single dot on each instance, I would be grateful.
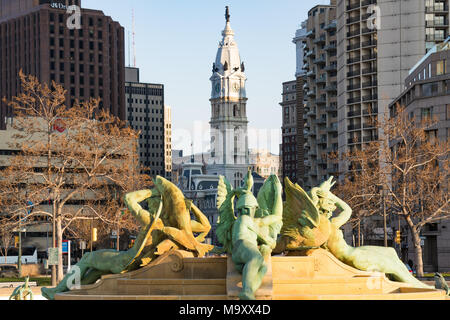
(385, 221)
(19, 258)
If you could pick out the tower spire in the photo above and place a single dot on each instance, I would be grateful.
(227, 13)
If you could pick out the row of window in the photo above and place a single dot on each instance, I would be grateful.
(72, 31)
(145, 91)
(144, 101)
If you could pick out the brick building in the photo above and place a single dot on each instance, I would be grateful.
(88, 62)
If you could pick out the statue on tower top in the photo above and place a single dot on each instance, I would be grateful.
(227, 14)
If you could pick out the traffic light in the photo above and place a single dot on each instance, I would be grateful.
(94, 234)
(398, 238)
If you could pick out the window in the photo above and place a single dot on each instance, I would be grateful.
(427, 113)
(448, 111)
(429, 89)
(440, 68)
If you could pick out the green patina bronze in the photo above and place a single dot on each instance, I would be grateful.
(251, 236)
(308, 223)
(22, 292)
(167, 225)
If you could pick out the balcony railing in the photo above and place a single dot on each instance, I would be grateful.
(368, 126)
(331, 88)
(331, 67)
(354, 100)
(354, 87)
(369, 57)
(353, 73)
(353, 6)
(437, 23)
(354, 114)
(353, 19)
(320, 60)
(311, 33)
(370, 111)
(431, 9)
(331, 26)
(353, 46)
(321, 39)
(370, 138)
(435, 37)
(311, 73)
(353, 60)
(354, 33)
(370, 97)
(311, 93)
(370, 84)
(368, 30)
(369, 43)
(321, 79)
(369, 70)
(368, 2)
(321, 100)
(332, 128)
(331, 108)
(354, 127)
(330, 47)
(320, 121)
(311, 53)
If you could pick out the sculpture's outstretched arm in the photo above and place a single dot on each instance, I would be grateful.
(132, 201)
(345, 215)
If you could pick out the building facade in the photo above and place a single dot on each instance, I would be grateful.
(145, 113)
(321, 94)
(427, 95)
(229, 140)
(378, 42)
(288, 151)
(168, 141)
(264, 163)
(87, 62)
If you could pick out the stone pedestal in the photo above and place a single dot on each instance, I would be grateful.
(177, 275)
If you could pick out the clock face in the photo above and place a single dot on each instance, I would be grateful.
(236, 87)
(217, 88)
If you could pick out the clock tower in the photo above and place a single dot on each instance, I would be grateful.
(229, 140)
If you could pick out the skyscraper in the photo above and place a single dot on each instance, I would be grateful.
(88, 62)
(321, 94)
(145, 113)
(378, 42)
(229, 141)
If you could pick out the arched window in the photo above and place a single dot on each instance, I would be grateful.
(238, 177)
(236, 111)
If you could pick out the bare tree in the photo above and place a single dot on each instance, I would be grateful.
(411, 167)
(6, 236)
(67, 155)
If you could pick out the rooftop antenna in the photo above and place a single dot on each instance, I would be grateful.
(129, 48)
(134, 42)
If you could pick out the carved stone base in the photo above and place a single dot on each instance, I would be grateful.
(177, 275)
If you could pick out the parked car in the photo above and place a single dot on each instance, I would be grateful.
(9, 271)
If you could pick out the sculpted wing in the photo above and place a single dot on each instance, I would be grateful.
(269, 193)
(299, 209)
(270, 202)
(225, 198)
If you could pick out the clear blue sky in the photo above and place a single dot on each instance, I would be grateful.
(176, 44)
